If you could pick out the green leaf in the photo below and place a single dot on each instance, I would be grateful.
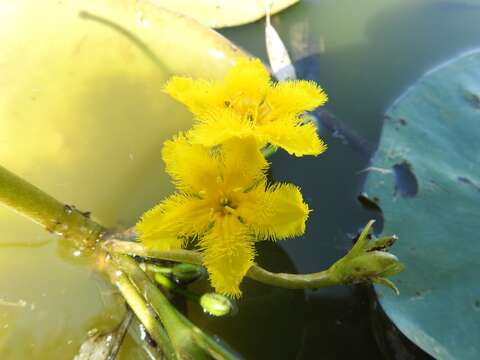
(431, 199)
(224, 13)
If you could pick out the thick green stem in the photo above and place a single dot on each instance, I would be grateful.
(189, 341)
(290, 281)
(45, 210)
(153, 295)
(143, 312)
(135, 248)
(84, 233)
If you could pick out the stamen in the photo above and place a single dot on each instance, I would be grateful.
(229, 210)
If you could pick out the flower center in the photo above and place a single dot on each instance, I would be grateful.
(254, 111)
(227, 207)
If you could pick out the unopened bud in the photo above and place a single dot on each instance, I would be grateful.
(216, 304)
(187, 272)
(373, 264)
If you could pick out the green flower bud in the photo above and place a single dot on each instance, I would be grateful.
(216, 304)
(368, 261)
(373, 264)
(187, 272)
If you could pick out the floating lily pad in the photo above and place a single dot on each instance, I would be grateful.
(224, 13)
(426, 175)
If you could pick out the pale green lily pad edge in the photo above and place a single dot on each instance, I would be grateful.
(225, 13)
(439, 135)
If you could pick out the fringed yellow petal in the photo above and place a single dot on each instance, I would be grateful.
(296, 137)
(228, 253)
(191, 166)
(198, 95)
(248, 80)
(295, 97)
(277, 212)
(219, 126)
(243, 164)
(167, 225)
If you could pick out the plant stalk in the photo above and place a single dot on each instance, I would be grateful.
(56, 217)
(189, 341)
(143, 312)
(290, 281)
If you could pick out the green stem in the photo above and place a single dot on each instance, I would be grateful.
(290, 281)
(54, 216)
(188, 340)
(158, 269)
(143, 312)
(135, 248)
(78, 228)
(293, 281)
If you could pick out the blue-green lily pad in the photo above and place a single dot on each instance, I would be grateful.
(426, 175)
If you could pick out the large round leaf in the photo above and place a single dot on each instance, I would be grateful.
(426, 175)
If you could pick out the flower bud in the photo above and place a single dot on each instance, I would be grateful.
(368, 261)
(187, 272)
(373, 264)
(217, 305)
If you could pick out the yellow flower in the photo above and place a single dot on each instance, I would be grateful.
(224, 204)
(246, 103)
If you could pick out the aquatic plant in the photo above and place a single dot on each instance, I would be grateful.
(224, 204)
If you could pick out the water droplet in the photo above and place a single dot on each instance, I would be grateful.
(143, 333)
(68, 209)
(92, 332)
(142, 20)
(216, 53)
